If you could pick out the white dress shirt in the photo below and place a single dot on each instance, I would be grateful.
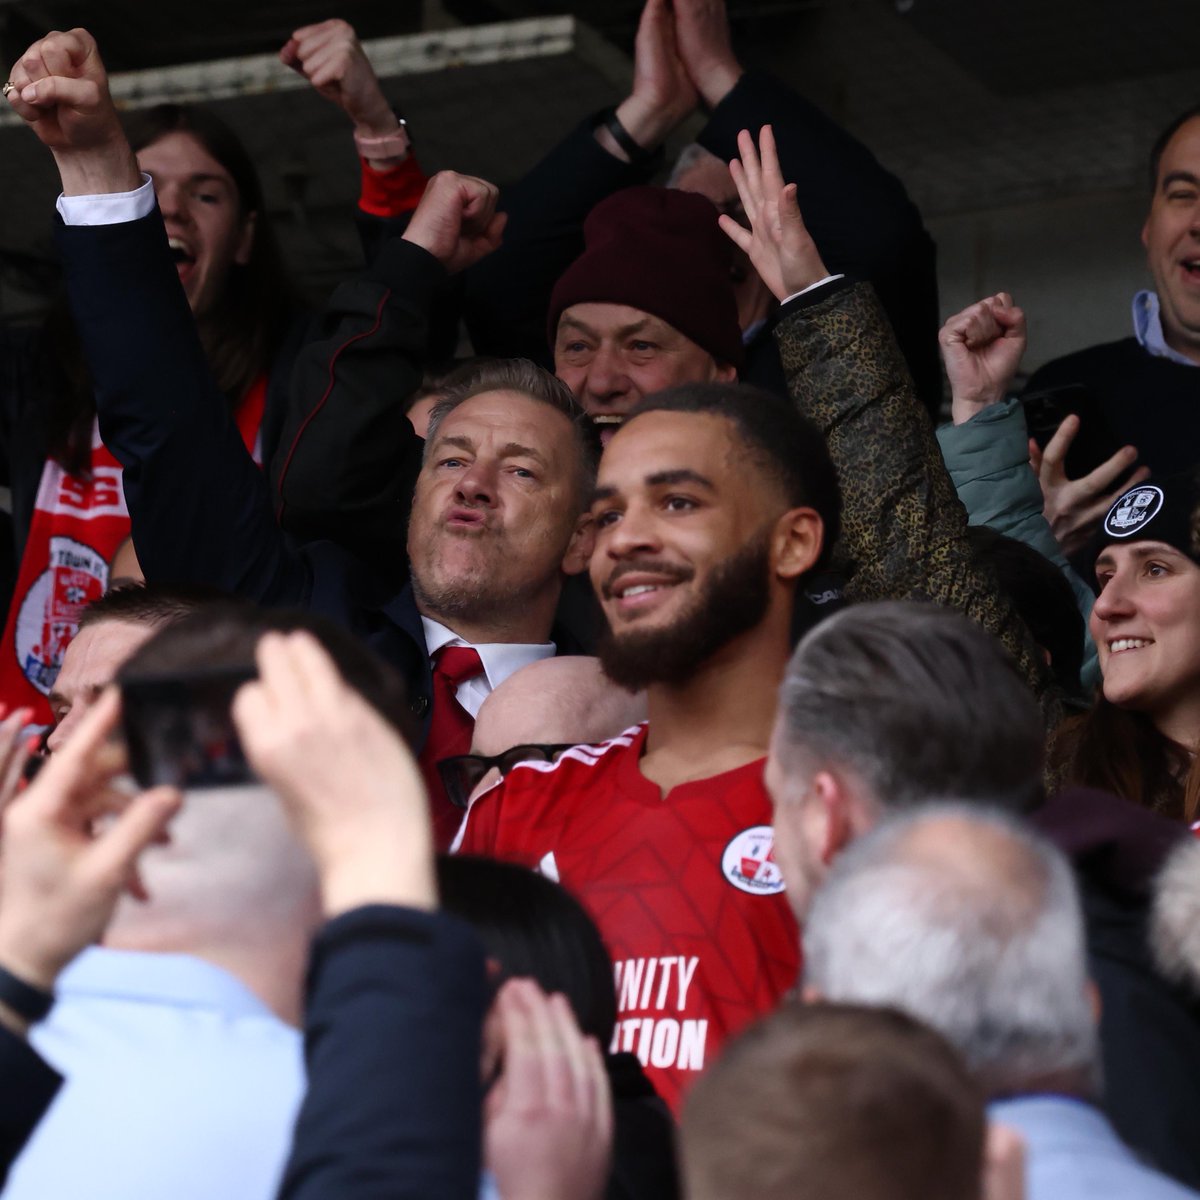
(500, 660)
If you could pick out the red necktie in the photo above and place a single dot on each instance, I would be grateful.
(450, 729)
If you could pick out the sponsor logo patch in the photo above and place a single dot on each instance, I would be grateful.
(1133, 510)
(748, 862)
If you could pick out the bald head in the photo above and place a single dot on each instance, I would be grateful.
(556, 700)
(969, 921)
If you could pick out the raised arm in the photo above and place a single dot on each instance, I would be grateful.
(332, 59)
(506, 296)
(199, 506)
(903, 527)
(349, 458)
(861, 218)
(986, 447)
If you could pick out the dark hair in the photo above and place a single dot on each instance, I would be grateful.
(535, 929)
(1120, 750)
(245, 331)
(1160, 142)
(1042, 597)
(241, 337)
(149, 603)
(919, 702)
(226, 634)
(835, 1100)
(526, 377)
(788, 447)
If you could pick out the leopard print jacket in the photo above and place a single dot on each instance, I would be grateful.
(903, 527)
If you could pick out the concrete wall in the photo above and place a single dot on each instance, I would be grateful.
(1072, 264)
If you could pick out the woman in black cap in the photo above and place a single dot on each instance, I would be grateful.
(1139, 740)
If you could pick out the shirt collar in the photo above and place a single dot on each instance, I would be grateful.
(177, 979)
(500, 659)
(1147, 328)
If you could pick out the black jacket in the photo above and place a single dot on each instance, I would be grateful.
(29, 1087)
(393, 1108)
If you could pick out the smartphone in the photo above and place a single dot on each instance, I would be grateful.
(1095, 442)
(179, 728)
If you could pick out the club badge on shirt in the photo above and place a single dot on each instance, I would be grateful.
(748, 862)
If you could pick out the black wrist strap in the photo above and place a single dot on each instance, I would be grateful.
(637, 154)
(28, 1002)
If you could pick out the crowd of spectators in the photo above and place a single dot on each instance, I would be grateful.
(641, 759)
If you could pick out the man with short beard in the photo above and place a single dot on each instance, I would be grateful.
(713, 502)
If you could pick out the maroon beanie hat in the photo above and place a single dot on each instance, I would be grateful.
(662, 251)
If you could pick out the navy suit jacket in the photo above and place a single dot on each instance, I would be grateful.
(396, 1001)
(201, 510)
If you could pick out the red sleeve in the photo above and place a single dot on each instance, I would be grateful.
(392, 193)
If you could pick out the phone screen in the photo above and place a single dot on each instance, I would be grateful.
(179, 729)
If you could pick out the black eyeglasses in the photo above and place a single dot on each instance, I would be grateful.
(462, 772)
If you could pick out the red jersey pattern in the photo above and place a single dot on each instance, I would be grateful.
(684, 888)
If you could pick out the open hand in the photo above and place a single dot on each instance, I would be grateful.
(1074, 507)
(61, 879)
(702, 34)
(777, 243)
(548, 1123)
(982, 347)
(663, 94)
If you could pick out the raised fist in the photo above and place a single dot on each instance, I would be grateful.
(982, 347)
(331, 58)
(457, 221)
(60, 88)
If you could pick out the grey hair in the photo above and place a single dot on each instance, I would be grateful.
(918, 702)
(689, 156)
(527, 378)
(1175, 917)
(970, 922)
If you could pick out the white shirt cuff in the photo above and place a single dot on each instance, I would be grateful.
(111, 208)
(812, 287)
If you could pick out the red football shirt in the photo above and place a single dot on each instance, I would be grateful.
(684, 888)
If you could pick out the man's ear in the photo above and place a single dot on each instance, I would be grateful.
(1146, 234)
(246, 241)
(832, 802)
(579, 549)
(724, 373)
(796, 542)
(825, 812)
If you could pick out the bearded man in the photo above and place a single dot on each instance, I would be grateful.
(713, 502)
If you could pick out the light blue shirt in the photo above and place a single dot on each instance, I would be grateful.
(1147, 328)
(1073, 1153)
(180, 1085)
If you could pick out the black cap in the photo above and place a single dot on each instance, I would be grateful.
(1165, 511)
